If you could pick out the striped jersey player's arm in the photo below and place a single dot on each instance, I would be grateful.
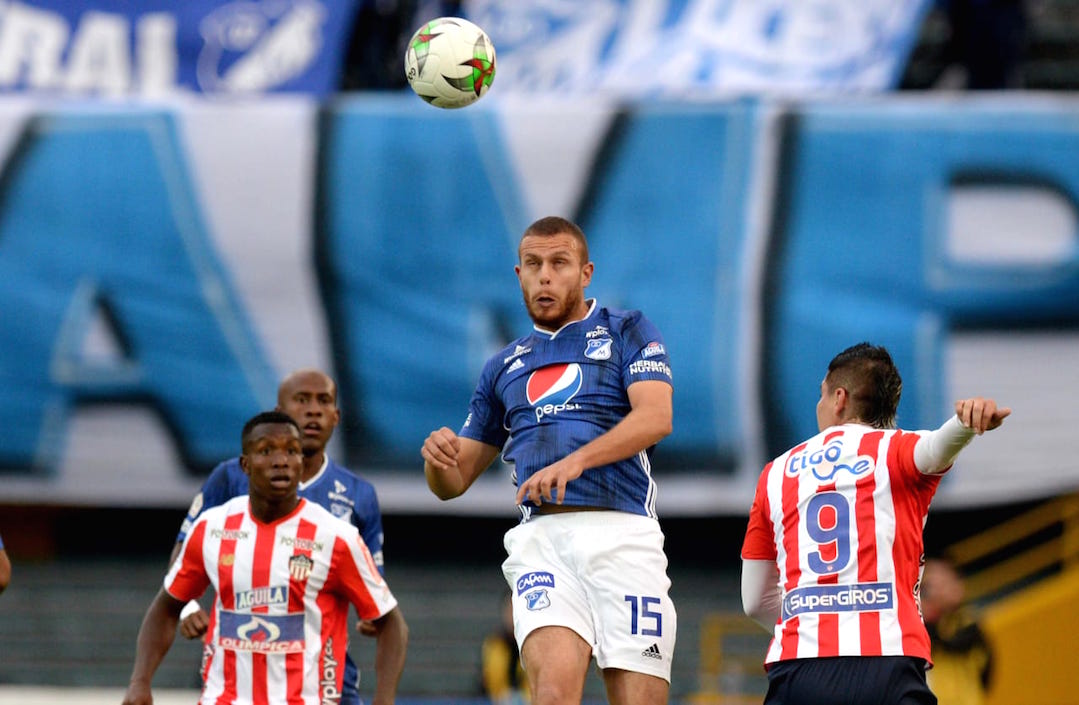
(353, 573)
(187, 579)
(936, 450)
(761, 597)
(759, 542)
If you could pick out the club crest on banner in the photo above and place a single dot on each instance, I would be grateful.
(156, 48)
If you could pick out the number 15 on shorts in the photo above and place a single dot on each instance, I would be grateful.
(643, 620)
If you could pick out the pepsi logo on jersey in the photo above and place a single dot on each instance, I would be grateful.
(551, 388)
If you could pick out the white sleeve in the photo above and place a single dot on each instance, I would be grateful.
(935, 451)
(761, 599)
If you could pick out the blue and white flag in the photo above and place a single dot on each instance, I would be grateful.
(699, 47)
(116, 48)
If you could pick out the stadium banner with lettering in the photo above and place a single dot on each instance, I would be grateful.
(158, 47)
(689, 48)
(162, 267)
(617, 47)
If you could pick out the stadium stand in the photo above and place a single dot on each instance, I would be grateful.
(71, 620)
(1041, 35)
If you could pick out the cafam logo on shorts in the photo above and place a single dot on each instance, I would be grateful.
(551, 389)
(530, 580)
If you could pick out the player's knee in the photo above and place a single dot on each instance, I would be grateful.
(555, 691)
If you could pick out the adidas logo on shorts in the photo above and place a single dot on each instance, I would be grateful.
(652, 652)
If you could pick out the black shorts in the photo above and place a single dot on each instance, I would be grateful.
(849, 680)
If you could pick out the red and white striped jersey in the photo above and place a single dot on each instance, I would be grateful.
(283, 591)
(842, 516)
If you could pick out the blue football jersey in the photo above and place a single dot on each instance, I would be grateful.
(338, 489)
(546, 394)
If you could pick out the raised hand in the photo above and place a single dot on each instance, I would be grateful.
(980, 414)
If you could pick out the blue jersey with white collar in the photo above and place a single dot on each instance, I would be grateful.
(547, 394)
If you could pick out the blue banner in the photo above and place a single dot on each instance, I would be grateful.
(699, 47)
(161, 270)
(157, 47)
(865, 252)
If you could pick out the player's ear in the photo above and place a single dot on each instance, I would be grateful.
(841, 402)
(244, 465)
(586, 273)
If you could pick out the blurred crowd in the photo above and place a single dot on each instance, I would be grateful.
(382, 28)
(981, 46)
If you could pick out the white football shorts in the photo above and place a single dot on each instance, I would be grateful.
(603, 574)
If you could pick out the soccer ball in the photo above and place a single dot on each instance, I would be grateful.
(450, 62)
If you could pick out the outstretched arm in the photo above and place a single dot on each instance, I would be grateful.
(155, 638)
(391, 631)
(981, 414)
(647, 423)
(937, 450)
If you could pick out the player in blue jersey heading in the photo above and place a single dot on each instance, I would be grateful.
(577, 407)
(310, 397)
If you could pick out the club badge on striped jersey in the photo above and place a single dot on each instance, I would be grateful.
(299, 566)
